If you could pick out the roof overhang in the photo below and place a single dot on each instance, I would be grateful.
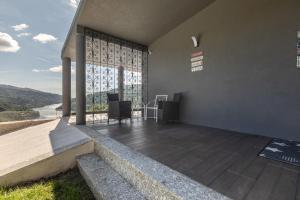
(139, 21)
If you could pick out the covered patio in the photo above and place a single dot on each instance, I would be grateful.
(236, 64)
(112, 55)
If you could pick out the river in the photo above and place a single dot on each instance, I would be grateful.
(48, 112)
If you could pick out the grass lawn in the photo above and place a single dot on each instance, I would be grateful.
(67, 186)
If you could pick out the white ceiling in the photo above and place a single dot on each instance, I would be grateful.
(140, 21)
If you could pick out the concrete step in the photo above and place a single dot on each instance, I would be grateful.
(105, 182)
(153, 179)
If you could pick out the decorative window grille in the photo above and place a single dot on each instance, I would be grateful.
(114, 65)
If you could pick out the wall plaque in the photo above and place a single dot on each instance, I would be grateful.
(197, 61)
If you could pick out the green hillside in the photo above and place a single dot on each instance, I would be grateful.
(20, 99)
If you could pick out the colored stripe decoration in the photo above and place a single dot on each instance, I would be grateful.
(197, 61)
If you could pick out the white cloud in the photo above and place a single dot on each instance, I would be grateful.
(8, 44)
(56, 69)
(37, 70)
(59, 69)
(24, 34)
(44, 38)
(74, 3)
(20, 27)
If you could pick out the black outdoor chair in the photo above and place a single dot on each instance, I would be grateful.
(117, 109)
(169, 110)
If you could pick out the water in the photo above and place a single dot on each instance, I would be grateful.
(48, 112)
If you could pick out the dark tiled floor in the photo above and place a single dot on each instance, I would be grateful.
(223, 160)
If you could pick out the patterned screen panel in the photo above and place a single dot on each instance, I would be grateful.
(114, 66)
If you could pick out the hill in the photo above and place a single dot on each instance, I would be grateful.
(19, 99)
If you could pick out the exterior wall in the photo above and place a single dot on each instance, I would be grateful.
(250, 82)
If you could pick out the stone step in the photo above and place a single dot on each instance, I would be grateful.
(105, 182)
(153, 179)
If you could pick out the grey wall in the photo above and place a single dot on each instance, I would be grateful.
(250, 82)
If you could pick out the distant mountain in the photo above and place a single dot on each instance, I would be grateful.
(15, 98)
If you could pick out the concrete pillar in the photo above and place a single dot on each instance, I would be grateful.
(66, 86)
(80, 77)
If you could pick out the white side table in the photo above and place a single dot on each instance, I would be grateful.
(154, 108)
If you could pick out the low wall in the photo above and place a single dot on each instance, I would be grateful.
(47, 168)
(7, 127)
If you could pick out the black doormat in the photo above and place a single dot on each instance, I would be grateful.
(282, 150)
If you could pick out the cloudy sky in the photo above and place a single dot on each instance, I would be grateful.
(32, 33)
